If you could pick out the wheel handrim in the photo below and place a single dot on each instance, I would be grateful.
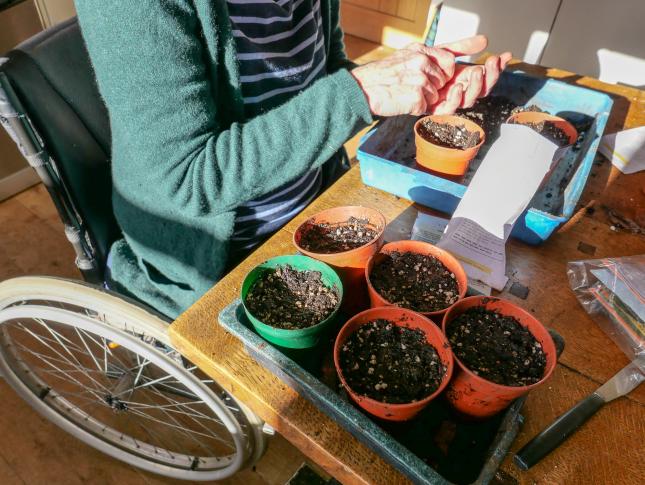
(105, 384)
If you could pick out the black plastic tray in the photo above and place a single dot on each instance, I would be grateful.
(436, 447)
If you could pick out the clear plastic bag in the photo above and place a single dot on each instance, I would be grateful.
(612, 291)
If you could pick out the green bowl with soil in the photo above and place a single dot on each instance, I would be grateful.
(501, 353)
(392, 362)
(292, 301)
(345, 238)
(415, 275)
(447, 143)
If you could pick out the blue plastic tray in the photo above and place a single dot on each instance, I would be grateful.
(386, 155)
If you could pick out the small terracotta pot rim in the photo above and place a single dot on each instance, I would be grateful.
(547, 117)
(482, 133)
(313, 254)
(444, 381)
(462, 291)
(465, 369)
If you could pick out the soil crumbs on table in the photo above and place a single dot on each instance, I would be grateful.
(491, 112)
(416, 281)
(335, 238)
(448, 135)
(550, 131)
(291, 299)
(391, 364)
(496, 347)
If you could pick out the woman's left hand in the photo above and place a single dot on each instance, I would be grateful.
(470, 82)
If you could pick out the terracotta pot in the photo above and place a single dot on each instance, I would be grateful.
(350, 265)
(477, 397)
(402, 318)
(525, 117)
(451, 161)
(421, 247)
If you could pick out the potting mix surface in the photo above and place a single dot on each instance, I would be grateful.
(335, 238)
(416, 281)
(291, 299)
(493, 111)
(496, 347)
(450, 136)
(391, 364)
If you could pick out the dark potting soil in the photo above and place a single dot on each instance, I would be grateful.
(391, 364)
(550, 131)
(335, 238)
(291, 299)
(415, 281)
(496, 347)
(448, 135)
(491, 112)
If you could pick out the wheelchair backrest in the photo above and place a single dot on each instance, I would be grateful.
(52, 92)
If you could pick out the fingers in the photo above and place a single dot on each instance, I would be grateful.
(441, 57)
(452, 102)
(466, 47)
(494, 65)
(474, 87)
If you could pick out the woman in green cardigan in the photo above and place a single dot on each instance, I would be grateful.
(227, 118)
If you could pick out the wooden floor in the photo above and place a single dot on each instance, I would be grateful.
(33, 451)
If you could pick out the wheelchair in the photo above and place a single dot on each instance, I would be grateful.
(100, 365)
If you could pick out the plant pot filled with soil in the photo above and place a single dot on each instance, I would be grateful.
(345, 238)
(392, 361)
(553, 128)
(415, 275)
(501, 353)
(292, 301)
(447, 143)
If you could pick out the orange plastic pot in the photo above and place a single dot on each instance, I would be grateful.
(525, 117)
(350, 265)
(475, 396)
(451, 161)
(402, 318)
(421, 247)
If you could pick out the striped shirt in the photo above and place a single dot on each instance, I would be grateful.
(280, 51)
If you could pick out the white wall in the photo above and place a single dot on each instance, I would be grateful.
(598, 38)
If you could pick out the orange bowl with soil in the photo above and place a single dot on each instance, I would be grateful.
(415, 275)
(345, 238)
(555, 129)
(392, 362)
(447, 143)
(501, 353)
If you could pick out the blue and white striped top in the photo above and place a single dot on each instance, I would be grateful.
(280, 50)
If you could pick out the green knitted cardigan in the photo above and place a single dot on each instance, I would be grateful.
(183, 156)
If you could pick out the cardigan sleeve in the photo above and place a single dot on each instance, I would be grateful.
(169, 147)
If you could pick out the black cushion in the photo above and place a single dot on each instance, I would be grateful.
(52, 75)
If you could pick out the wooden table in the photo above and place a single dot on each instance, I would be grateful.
(609, 449)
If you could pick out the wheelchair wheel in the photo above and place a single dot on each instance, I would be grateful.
(102, 368)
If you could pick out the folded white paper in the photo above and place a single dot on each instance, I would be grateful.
(499, 192)
(430, 228)
(625, 149)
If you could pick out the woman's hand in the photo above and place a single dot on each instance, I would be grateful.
(420, 79)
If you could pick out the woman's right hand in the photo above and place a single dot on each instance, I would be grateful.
(419, 79)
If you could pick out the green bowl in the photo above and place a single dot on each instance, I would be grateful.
(300, 338)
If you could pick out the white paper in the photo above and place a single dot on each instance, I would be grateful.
(498, 194)
(625, 149)
(430, 228)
